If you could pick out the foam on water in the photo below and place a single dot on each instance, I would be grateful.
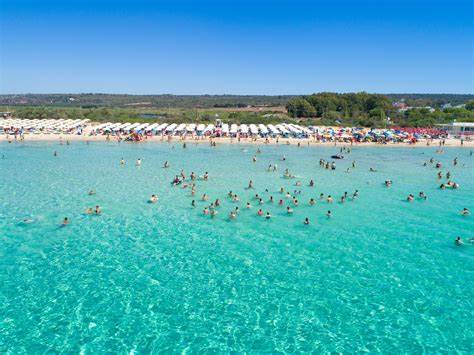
(381, 275)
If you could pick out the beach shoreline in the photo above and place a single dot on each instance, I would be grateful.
(53, 137)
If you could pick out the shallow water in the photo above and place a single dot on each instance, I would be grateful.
(381, 275)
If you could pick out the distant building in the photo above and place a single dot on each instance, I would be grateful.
(6, 115)
(459, 129)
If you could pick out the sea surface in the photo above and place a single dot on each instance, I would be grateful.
(380, 275)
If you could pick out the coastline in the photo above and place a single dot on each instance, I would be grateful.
(449, 142)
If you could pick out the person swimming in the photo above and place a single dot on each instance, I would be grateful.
(89, 210)
(65, 222)
(268, 215)
(328, 214)
(91, 192)
(248, 205)
(270, 199)
(97, 210)
(153, 199)
(306, 221)
(138, 162)
(166, 164)
(312, 201)
(410, 198)
(329, 199)
(422, 195)
(204, 197)
(232, 215)
(465, 212)
(289, 210)
(193, 203)
(311, 183)
(205, 211)
(250, 186)
(122, 161)
(280, 203)
(458, 241)
(260, 212)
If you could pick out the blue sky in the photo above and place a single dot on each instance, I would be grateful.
(236, 47)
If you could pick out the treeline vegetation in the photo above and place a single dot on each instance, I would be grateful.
(153, 101)
(108, 114)
(370, 110)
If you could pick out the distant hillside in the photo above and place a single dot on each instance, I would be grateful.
(153, 101)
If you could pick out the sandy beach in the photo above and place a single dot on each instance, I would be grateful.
(448, 142)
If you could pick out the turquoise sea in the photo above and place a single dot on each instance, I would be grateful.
(380, 275)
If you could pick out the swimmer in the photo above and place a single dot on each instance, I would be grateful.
(458, 241)
(280, 203)
(89, 210)
(306, 221)
(254, 159)
(329, 199)
(153, 199)
(328, 214)
(232, 215)
(122, 161)
(248, 205)
(217, 203)
(271, 199)
(321, 196)
(355, 194)
(166, 164)
(260, 201)
(138, 162)
(312, 201)
(205, 211)
(372, 170)
(235, 198)
(55, 153)
(214, 212)
(193, 203)
(65, 221)
(250, 186)
(410, 198)
(204, 197)
(282, 190)
(260, 212)
(295, 202)
(206, 176)
(97, 210)
(289, 210)
(193, 176)
(465, 212)
(91, 192)
(268, 215)
(422, 195)
(311, 183)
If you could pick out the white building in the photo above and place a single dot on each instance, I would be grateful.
(459, 129)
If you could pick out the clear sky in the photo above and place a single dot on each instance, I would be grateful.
(236, 47)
